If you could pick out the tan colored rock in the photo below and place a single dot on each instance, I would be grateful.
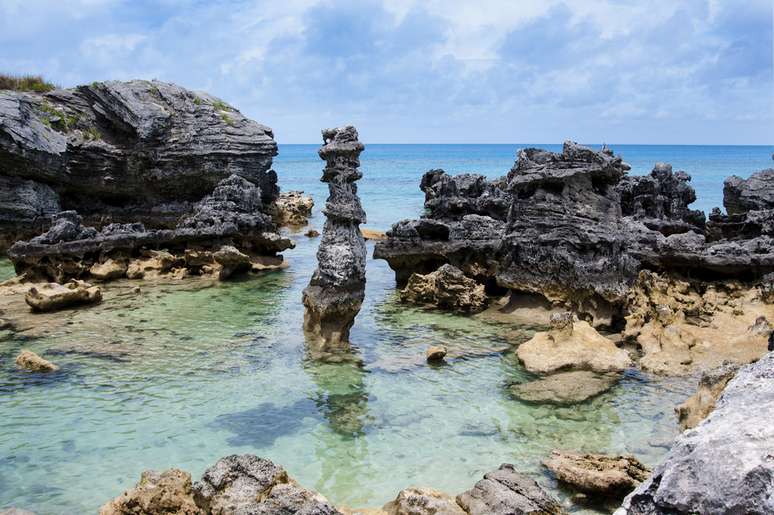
(109, 269)
(267, 263)
(157, 493)
(435, 353)
(565, 387)
(232, 261)
(423, 501)
(699, 405)
(373, 234)
(599, 474)
(446, 288)
(152, 264)
(293, 208)
(28, 360)
(312, 233)
(53, 296)
(571, 345)
(196, 259)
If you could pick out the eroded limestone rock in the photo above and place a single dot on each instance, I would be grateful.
(700, 404)
(507, 492)
(435, 353)
(599, 474)
(423, 501)
(293, 208)
(335, 293)
(446, 288)
(157, 493)
(28, 360)
(53, 296)
(232, 261)
(565, 387)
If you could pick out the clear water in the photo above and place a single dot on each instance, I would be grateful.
(181, 375)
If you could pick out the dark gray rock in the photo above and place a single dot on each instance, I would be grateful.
(337, 288)
(129, 151)
(723, 466)
(507, 492)
(743, 195)
(26, 208)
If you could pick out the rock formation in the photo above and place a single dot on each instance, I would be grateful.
(157, 493)
(136, 151)
(336, 291)
(422, 501)
(723, 465)
(565, 387)
(233, 214)
(54, 296)
(700, 404)
(28, 360)
(506, 492)
(446, 288)
(293, 208)
(600, 474)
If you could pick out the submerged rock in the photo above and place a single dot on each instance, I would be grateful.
(599, 474)
(242, 484)
(337, 288)
(571, 345)
(723, 465)
(87, 149)
(506, 492)
(16, 511)
(446, 288)
(53, 296)
(700, 404)
(157, 493)
(293, 208)
(422, 501)
(28, 360)
(565, 387)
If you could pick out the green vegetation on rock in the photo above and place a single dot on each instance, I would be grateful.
(25, 83)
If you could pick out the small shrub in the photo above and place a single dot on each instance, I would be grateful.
(92, 134)
(25, 83)
(226, 119)
(221, 106)
(197, 101)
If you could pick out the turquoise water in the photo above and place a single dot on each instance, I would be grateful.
(182, 375)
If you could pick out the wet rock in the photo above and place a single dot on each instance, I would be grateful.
(599, 474)
(571, 345)
(507, 492)
(293, 208)
(423, 501)
(723, 465)
(565, 387)
(435, 353)
(28, 360)
(312, 233)
(446, 288)
(109, 269)
(232, 261)
(53, 296)
(157, 493)
(87, 149)
(241, 484)
(337, 288)
(700, 404)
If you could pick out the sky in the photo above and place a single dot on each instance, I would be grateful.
(430, 71)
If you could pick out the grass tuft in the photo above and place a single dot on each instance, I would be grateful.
(221, 105)
(25, 83)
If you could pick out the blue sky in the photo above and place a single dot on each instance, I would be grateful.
(445, 71)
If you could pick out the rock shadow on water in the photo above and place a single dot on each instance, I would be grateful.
(259, 427)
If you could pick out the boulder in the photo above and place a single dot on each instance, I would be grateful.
(109, 269)
(435, 353)
(700, 404)
(565, 387)
(446, 288)
(724, 464)
(28, 360)
(372, 234)
(599, 474)
(571, 345)
(423, 501)
(53, 296)
(337, 288)
(293, 208)
(87, 149)
(232, 261)
(755, 193)
(312, 233)
(157, 493)
(242, 484)
(507, 492)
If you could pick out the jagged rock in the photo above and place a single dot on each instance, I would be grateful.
(232, 214)
(28, 360)
(743, 195)
(446, 288)
(312, 233)
(700, 404)
(90, 145)
(422, 501)
(571, 345)
(565, 387)
(506, 492)
(453, 197)
(26, 208)
(242, 484)
(435, 353)
(157, 493)
(53, 296)
(232, 261)
(293, 208)
(723, 465)
(109, 269)
(599, 474)
(337, 288)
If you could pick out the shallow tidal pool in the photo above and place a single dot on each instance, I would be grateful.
(182, 375)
